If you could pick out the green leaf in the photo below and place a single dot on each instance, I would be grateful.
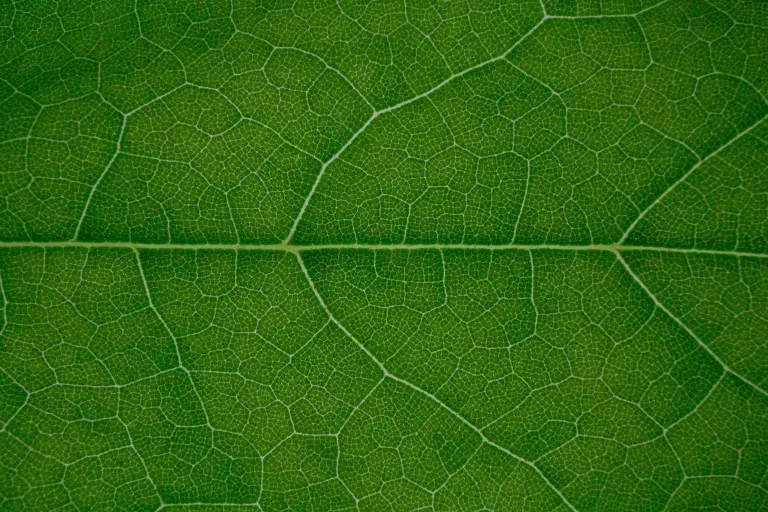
(377, 255)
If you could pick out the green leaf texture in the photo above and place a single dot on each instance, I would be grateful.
(377, 255)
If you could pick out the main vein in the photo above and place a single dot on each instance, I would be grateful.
(379, 247)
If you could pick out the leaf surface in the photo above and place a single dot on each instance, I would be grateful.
(434, 255)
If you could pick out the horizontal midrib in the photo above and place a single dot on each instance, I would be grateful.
(300, 248)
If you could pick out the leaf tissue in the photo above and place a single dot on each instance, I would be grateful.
(378, 255)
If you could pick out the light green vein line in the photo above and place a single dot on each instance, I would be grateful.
(687, 329)
(380, 247)
(432, 397)
(377, 113)
(5, 305)
(201, 504)
(602, 16)
(100, 178)
(173, 337)
(685, 176)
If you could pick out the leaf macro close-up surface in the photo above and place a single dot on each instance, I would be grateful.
(378, 255)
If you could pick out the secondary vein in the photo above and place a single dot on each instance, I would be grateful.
(377, 113)
(432, 397)
(685, 327)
